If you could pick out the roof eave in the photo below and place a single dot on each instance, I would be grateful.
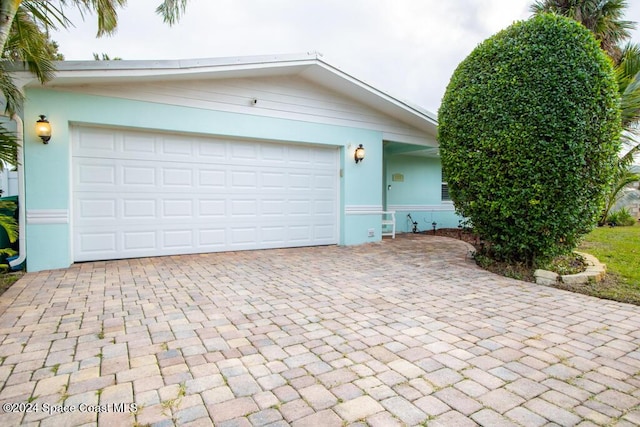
(309, 65)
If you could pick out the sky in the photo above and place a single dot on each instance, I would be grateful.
(407, 48)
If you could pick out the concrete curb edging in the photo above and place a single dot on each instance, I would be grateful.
(595, 271)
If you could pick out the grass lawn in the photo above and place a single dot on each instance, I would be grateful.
(619, 249)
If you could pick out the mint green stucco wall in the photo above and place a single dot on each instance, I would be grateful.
(422, 178)
(420, 191)
(48, 167)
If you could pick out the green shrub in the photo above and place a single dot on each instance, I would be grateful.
(529, 130)
(621, 217)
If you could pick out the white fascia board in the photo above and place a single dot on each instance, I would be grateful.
(379, 93)
(333, 78)
(74, 72)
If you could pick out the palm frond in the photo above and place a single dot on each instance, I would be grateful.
(105, 10)
(47, 13)
(12, 95)
(8, 147)
(604, 18)
(629, 157)
(28, 43)
(10, 225)
(623, 179)
(630, 101)
(171, 10)
(628, 78)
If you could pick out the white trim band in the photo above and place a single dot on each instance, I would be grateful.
(48, 216)
(445, 207)
(362, 209)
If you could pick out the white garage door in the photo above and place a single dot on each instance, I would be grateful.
(147, 194)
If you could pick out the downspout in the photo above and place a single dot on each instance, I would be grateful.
(22, 256)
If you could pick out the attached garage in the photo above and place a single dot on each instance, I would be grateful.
(150, 158)
(151, 193)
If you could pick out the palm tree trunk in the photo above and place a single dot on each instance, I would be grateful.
(8, 9)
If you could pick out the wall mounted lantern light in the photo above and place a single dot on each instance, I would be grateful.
(359, 154)
(43, 129)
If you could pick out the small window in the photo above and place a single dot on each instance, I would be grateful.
(445, 192)
(444, 189)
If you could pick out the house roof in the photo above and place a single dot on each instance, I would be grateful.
(310, 66)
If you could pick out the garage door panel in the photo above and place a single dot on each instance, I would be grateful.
(137, 209)
(243, 235)
(98, 209)
(212, 208)
(300, 156)
(177, 208)
(212, 238)
(96, 174)
(177, 239)
(325, 207)
(275, 207)
(299, 233)
(138, 143)
(324, 232)
(95, 142)
(142, 176)
(273, 235)
(99, 242)
(139, 240)
(244, 151)
(300, 181)
(324, 182)
(242, 180)
(323, 159)
(273, 181)
(273, 154)
(144, 194)
(212, 179)
(299, 207)
(177, 147)
(212, 152)
(177, 177)
(244, 208)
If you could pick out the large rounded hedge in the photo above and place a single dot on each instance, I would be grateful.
(529, 133)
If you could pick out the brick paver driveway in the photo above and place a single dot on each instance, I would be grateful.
(404, 332)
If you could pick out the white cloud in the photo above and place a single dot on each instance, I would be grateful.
(409, 48)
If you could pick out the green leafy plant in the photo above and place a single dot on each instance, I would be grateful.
(529, 129)
(4, 254)
(621, 217)
(8, 222)
(566, 264)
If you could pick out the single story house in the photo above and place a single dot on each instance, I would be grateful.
(151, 158)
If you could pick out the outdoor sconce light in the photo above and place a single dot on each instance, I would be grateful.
(43, 129)
(359, 154)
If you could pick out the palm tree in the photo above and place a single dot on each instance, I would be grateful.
(50, 15)
(628, 78)
(604, 18)
(24, 29)
(24, 26)
(624, 179)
